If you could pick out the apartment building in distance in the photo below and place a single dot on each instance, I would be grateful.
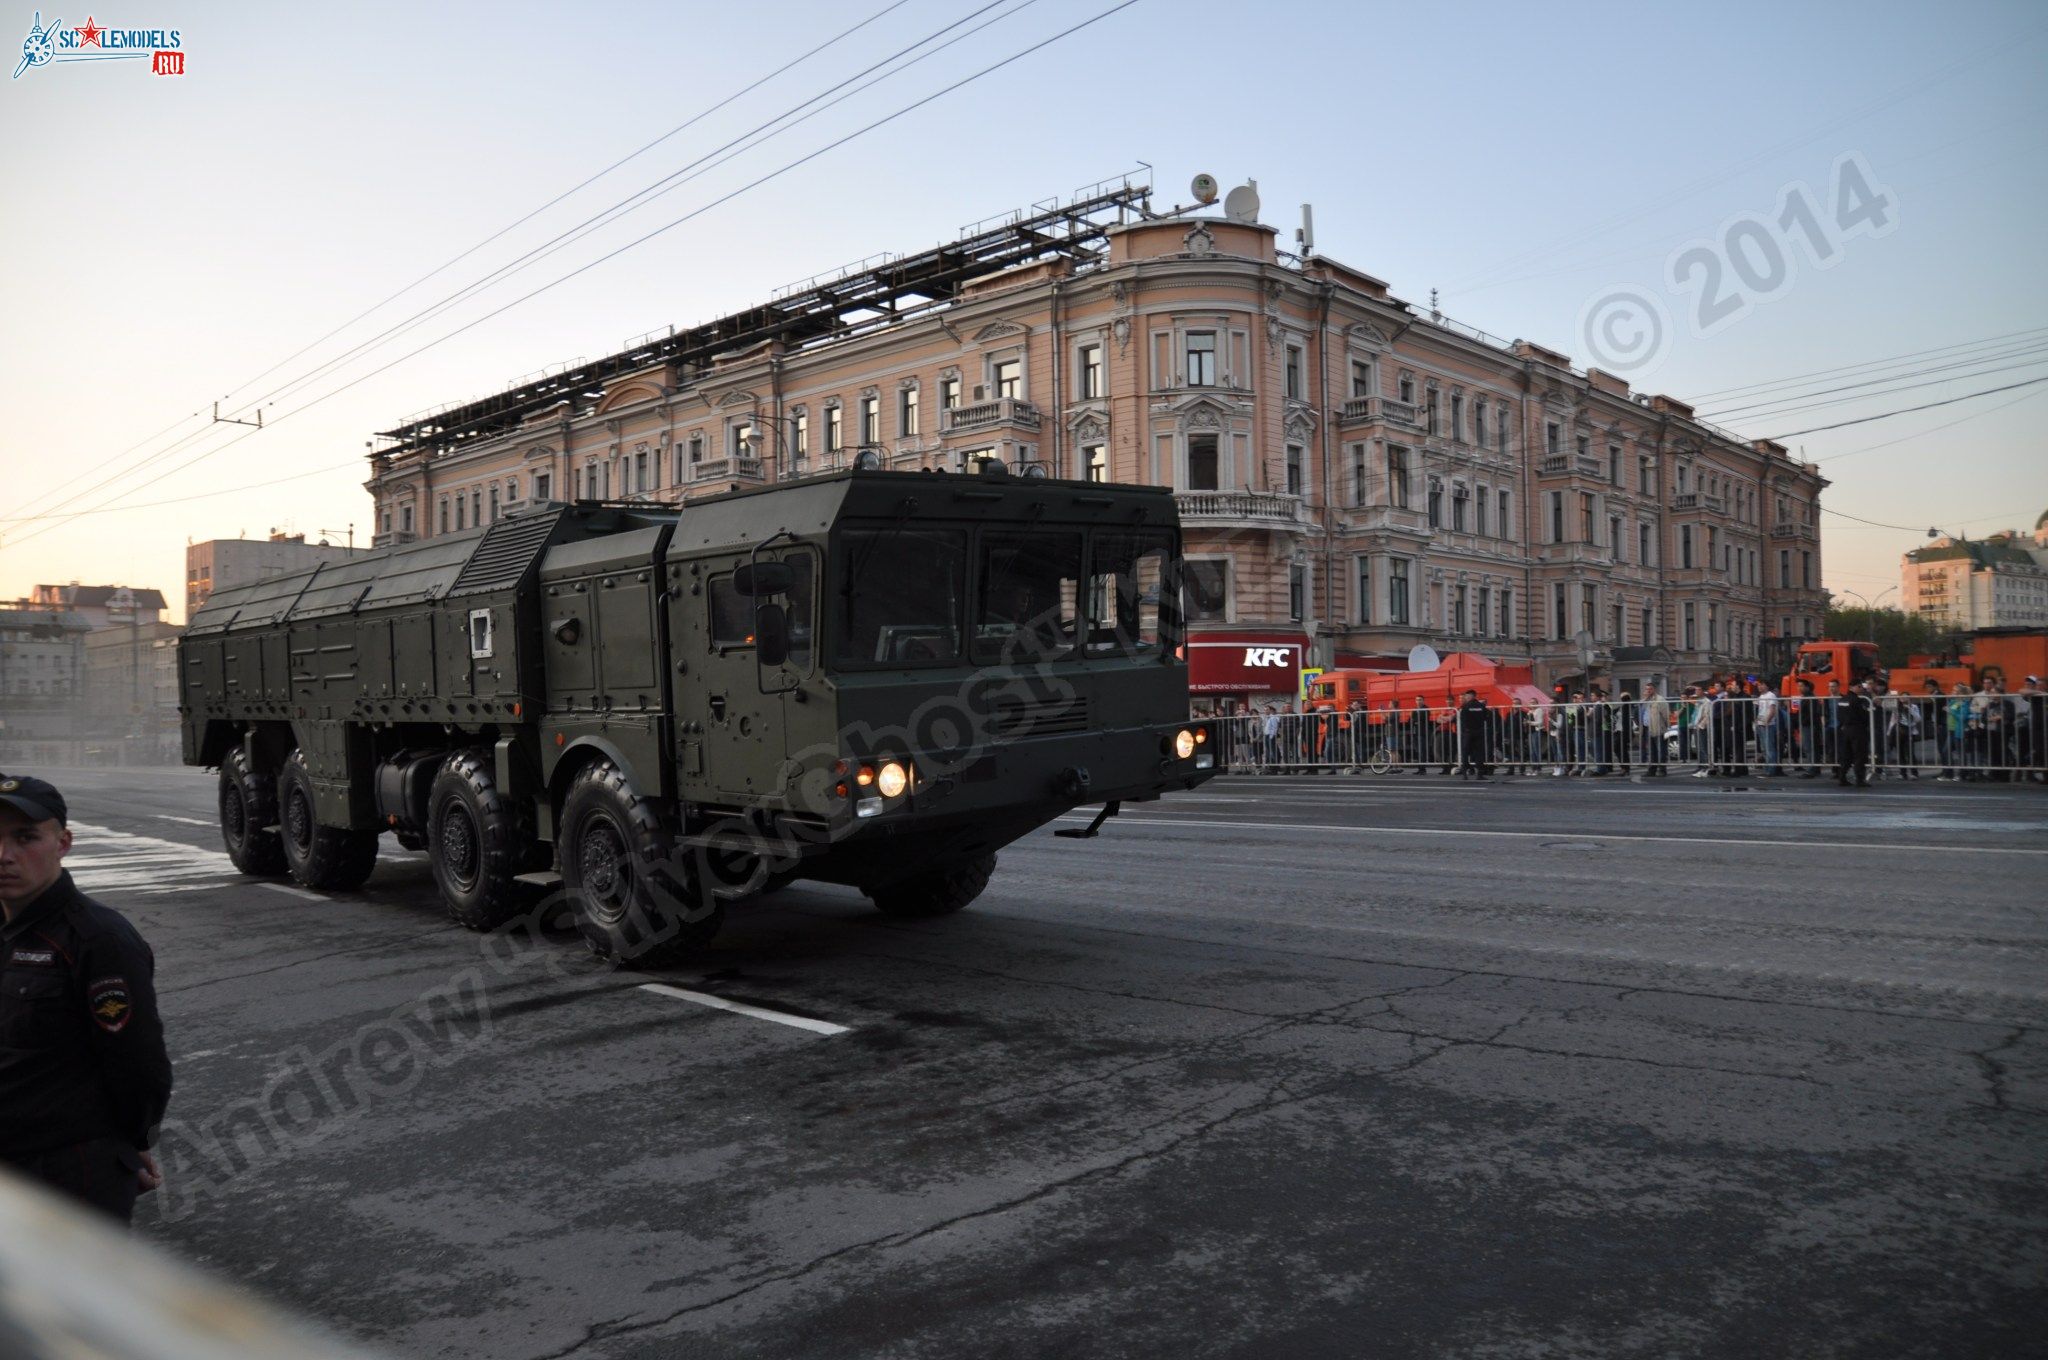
(1354, 475)
(221, 562)
(1998, 581)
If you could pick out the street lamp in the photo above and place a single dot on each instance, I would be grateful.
(1870, 606)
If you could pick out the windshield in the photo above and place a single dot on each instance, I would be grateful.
(1130, 604)
(899, 600)
(1029, 590)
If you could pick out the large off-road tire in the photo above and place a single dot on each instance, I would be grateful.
(331, 858)
(478, 842)
(936, 892)
(636, 898)
(248, 818)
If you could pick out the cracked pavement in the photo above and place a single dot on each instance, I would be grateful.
(1287, 1067)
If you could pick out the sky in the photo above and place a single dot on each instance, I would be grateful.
(169, 241)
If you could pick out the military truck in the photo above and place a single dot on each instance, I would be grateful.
(867, 678)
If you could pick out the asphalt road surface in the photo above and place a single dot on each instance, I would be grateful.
(1289, 1067)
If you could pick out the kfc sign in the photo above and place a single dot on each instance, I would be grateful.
(1245, 663)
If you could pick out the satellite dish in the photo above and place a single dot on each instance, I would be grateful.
(1423, 657)
(1242, 203)
(1203, 187)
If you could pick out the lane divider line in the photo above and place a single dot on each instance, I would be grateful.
(1569, 836)
(719, 1003)
(188, 821)
(295, 892)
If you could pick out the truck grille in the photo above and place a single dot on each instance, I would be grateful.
(1037, 717)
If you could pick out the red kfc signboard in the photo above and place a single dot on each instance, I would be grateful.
(1245, 663)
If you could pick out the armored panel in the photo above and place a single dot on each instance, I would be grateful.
(508, 552)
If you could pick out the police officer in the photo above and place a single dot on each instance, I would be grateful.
(1475, 760)
(84, 1077)
(1852, 739)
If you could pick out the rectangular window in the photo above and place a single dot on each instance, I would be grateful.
(1202, 462)
(1614, 464)
(1483, 613)
(476, 507)
(1585, 443)
(1617, 541)
(1201, 358)
(1501, 433)
(1397, 591)
(1094, 462)
(906, 413)
(1806, 570)
(739, 438)
(800, 436)
(1030, 594)
(1009, 379)
(1586, 517)
(1397, 477)
(1364, 590)
(1557, 517)
(444, 514)
(1293, 370)
(696, 449)
(1408, 390)
(640, 482)
(1297, 589)
(1457, 418)
(1713, 628)
(1129, 610)
(1208, 589)
(1295, 456)
(949, 392)
(1358, 474)
(1643, 476)
(834, 435)
(902, 598)
(1479, 423)
(1589, 617)
(1430, 408)
(1361, 377)
(1643, 544)
(1507, 613)
(1436, 504)
(1649, 627)
(1090, 367)
(1461, 501)
(405, 519)
(1479, 512)
(1458, 610)
(1692, 640)
(1551, 435)
(870, 421)
(1685, 546)
(1784, 568)
(1506, 520)
(1560, 626)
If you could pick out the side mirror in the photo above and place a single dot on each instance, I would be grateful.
(771, 634)
(756, 579)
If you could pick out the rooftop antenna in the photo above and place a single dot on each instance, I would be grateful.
(1435, 314)
(1305, 234)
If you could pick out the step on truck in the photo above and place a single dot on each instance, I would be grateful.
(868, 678)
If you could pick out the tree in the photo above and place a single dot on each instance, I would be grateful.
(1897, 635)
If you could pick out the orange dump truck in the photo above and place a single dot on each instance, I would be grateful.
(2006, 654)
(1339, 690)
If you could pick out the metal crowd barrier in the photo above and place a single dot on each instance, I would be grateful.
(1973, 736)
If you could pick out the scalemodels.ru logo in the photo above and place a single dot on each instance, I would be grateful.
(163, 48)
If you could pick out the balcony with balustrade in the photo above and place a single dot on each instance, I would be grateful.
(986, 416)
(1794, 531)
(1239, 510)
(1379, 411)
(1698, 503)
(733, 469)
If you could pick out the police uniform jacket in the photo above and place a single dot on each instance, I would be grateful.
(81, 1043)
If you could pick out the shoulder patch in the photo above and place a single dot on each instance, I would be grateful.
(107, 1001)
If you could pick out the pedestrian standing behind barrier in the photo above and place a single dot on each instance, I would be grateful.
(1765, 720)
(1656, 726)
(2033, 698)
(1852, 739)
(1473, 720)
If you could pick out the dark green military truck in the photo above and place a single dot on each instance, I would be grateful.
(868, 678)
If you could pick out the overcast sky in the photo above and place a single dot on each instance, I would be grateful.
(169, 240)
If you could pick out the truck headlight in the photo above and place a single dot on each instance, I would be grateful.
(1183, 743)
(892, 780)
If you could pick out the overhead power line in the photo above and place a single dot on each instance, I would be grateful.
(1887, 386)
(1907, 410)
(562, 239)
(98, 468)
(748, 187)
(1701, 398)
(1922, 434)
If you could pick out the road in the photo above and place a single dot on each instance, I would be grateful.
(1287, 1067)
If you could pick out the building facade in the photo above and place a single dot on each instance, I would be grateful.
(222, 562)
(1354, 476)
(101, 606)
(2000, 581)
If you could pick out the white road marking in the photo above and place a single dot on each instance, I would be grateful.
(104, 860)
(719, 1003)
(188, 821)
(1575, 834)
(295, 892)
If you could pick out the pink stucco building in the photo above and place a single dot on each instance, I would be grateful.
(1355, 476)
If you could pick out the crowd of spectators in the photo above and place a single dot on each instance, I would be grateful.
(1736, 725)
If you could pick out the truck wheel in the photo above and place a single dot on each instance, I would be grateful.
(326, 857)
(938, 892)
(248, 818)
(477, 842)
(635, 898)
